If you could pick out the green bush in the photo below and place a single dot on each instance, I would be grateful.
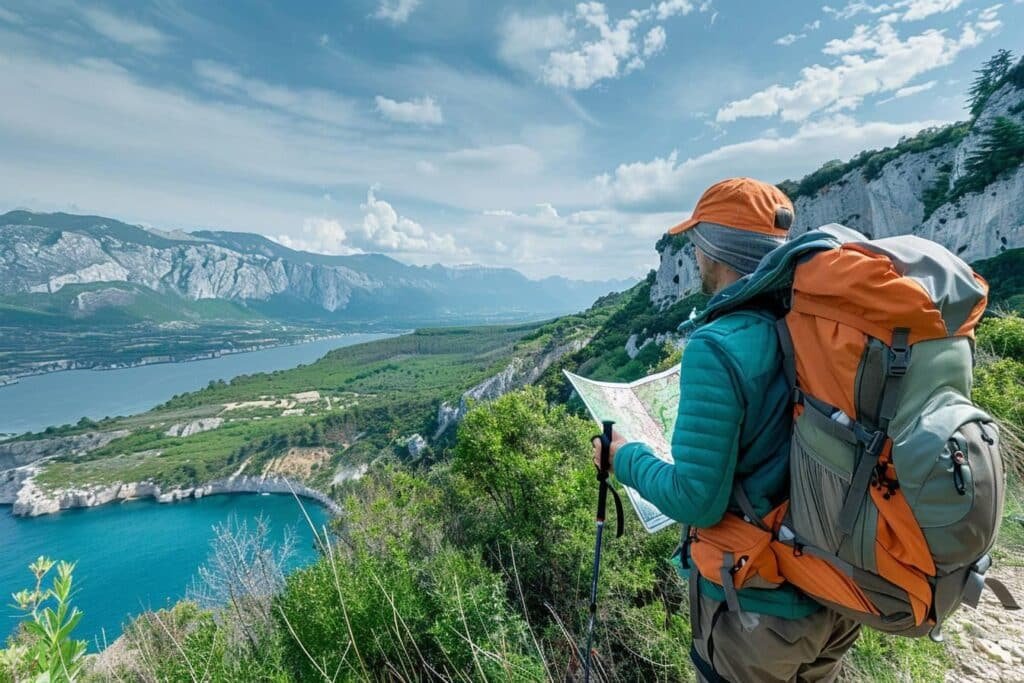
(525, 488)
(999, 388)
(1003, 337)
(396, 598)
(186, 643)
(367, 615)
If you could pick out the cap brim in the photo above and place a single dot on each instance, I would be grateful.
(684, 226)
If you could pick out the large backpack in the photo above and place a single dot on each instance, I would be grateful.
(896, 482)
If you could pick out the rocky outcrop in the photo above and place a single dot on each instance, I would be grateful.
(87, 303)
(633, 348)
(518, 373)
(204, 424)
(677, 276)
(416, 445)
(31, 500)
(977, 226)
(18, 453)
(11, 482)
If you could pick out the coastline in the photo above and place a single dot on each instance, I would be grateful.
(30, 500)
(65, 365)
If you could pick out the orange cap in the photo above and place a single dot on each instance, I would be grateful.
(744, 204)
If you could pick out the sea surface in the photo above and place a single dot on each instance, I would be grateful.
(137, 555)
(58, 398)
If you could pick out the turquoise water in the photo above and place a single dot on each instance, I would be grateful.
(135, 556)
(58, 398)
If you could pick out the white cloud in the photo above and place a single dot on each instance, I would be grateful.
(906, 10)
(596, 60)
(654, 41)
(125, 31)
(667, 182)
(324, 39)
(510, 158)
(813, 25)
(988, 18)
(396, 11)
(789, 39)
(615, 51)
(426, 168)
(10, 17)
(525, 41)
(423, 111)
(383, 229)
(922, 9)
(910, 90)
(320, 236)
(872, 60)
(311, 104)
(670, 8)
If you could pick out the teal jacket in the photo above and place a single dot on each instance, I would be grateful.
(733, 425)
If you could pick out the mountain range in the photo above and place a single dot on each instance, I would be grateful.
(84, 266)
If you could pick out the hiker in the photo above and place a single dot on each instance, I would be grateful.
(732, 438)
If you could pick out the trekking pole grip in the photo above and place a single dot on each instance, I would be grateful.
(606, 447)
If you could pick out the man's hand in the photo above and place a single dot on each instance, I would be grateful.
(617, 442)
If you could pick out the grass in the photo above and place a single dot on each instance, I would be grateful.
(150, 455)
(879, 658)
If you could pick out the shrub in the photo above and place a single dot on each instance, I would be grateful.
(45, 650)
(1003, 337)
(525, 489)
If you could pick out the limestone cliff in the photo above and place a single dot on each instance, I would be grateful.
(31, 500)
(891, 201)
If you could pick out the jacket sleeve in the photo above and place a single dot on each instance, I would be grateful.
(695, 488)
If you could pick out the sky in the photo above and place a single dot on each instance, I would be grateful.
(557, 138)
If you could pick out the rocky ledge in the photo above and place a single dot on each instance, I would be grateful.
(31, 500)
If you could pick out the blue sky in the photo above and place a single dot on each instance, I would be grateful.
(553, 137)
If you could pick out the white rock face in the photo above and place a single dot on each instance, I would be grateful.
(976, 227)
(416, 445)
(516, 374)
(32, 501)
(677, 276)
(17, 453)
(194, 427)
(351, 473)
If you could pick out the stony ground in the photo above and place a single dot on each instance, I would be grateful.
(988, 643)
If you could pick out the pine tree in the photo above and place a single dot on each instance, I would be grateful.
(1001, 149)
(988, 79)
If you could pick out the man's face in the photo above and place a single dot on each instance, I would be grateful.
(708, 273)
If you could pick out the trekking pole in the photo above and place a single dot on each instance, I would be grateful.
(602, 499)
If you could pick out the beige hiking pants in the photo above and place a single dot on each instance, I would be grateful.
(808, 649)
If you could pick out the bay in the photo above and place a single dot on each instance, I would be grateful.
(59, 398)
(137, 555)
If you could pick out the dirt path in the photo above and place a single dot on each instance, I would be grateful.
(988, 643)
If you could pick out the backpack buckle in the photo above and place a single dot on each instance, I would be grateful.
(899, 361)
(877, 443)
(899, 353)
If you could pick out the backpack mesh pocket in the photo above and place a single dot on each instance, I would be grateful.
(820, 469)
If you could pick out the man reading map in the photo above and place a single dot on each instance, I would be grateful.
(644, 410)
(727, 439)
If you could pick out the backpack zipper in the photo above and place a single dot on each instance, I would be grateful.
(959, 462)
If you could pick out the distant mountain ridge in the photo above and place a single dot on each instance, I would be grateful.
(41, 254)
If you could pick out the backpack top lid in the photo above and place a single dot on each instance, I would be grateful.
(903, 281)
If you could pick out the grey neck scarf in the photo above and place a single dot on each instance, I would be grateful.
(741, 250)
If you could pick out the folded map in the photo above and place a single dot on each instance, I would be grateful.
(644, 410)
